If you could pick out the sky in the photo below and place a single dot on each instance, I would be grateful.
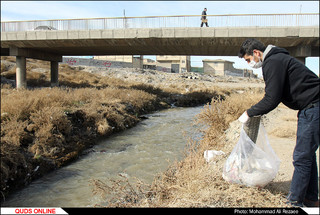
(43, 10)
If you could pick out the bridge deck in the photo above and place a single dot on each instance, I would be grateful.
(160, 41)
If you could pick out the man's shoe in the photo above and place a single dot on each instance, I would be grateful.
(294, 204)
(309, 203)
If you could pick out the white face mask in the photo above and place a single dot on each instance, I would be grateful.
(255, 65)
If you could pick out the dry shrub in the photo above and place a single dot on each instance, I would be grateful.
(221, 112)
(8, 72)
(8, 58)
(7, 63)
(129, 194)
(38, 79)
(3, 67)
(13, 137)
(73, 77)
(197, 97)
(22, 103)
(50, 127)
(12, 131)
(12, 161)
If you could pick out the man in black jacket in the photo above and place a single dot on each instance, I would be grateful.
(289, 81)
(204, 17)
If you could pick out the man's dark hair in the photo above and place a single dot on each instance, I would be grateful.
(249, 45)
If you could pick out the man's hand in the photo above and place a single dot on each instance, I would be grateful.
(244, 117)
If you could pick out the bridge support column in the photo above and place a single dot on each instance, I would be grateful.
(301, 52)
(21, 72)
(23, 53)
(54, 73)
(302, 59)
(137, 61)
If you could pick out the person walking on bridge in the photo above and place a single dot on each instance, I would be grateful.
(204, 17)
(289, 81)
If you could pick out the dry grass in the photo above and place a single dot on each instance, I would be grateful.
(49, 127)
(192, 182)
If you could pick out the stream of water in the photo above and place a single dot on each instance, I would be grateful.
(142, 152)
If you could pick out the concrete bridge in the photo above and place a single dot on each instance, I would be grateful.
(51, 45)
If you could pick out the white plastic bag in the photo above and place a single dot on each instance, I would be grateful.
(209, 155)
(252, 164)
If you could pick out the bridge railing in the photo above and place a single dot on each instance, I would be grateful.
(231, 20)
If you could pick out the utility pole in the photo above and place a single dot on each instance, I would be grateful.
(300, 7)
(124, 19)
(299, 15)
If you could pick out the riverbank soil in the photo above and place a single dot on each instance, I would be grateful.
(44, 128)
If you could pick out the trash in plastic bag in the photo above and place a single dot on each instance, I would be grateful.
(252, 164)
(209, 155)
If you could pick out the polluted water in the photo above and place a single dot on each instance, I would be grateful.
(140, 152)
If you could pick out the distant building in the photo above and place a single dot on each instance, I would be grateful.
(197, 69)
(166, 63)
(173, 63)
(224, 68)
(149, 64)
(136, 60)
(122, 58)
(179, 64)
(249, 73)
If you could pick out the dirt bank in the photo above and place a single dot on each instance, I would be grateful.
(44, 128)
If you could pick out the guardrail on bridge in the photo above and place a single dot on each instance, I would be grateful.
(231, 20)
